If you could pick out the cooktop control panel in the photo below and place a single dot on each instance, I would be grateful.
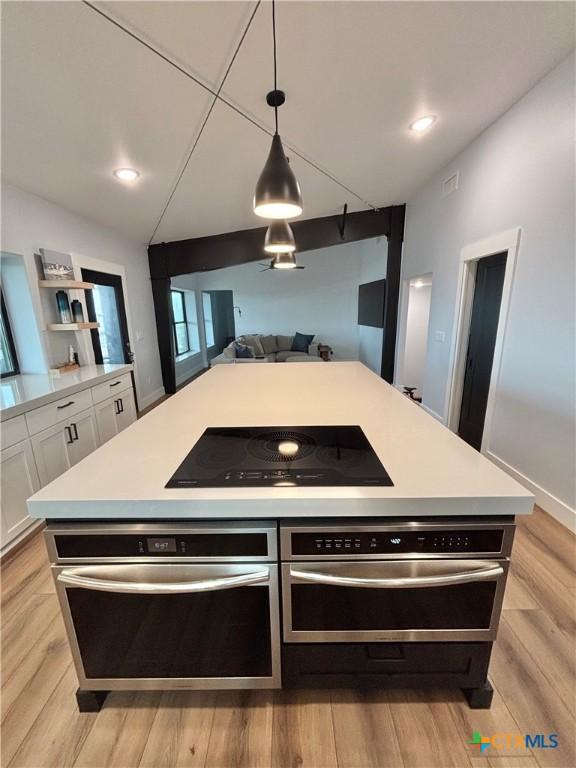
(350, 544)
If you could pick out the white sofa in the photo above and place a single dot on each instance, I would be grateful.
(266, 349)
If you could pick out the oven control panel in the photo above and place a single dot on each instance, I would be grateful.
(160, 544)
(350, 544)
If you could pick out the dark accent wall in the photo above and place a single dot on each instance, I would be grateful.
(182, 257)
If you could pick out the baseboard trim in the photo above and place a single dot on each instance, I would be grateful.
(153, 397)
(12, 549)
(544, 499)
(433, 413)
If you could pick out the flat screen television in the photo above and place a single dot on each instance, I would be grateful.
(371, 298)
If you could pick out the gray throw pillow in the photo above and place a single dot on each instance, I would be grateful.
(269, 344)
(252, 341)
(284, 342)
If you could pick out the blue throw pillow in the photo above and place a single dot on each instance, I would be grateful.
(242, 350)
(302, 342)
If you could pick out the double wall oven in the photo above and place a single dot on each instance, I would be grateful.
(159, 606)
(395, 602)
(356, 603)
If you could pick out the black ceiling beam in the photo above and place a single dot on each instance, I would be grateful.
(198, 254)
(201, 254)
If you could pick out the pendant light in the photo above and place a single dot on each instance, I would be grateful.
(279, 238)
(284, 261)
(277, 194)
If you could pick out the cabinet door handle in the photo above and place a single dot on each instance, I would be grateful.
(75, 430)
(69, 433)
(116, 407)
(115, 383)
(121, 406)
(66, 405)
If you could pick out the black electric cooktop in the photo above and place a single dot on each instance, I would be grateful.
(256, 457)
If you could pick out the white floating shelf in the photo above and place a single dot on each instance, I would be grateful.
(71, 326)
(65, 284)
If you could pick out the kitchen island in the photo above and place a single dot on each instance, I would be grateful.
(271, 578)
(434, 472)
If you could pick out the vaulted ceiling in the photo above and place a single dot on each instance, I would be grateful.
(80, 98)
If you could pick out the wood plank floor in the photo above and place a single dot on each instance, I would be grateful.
(533, 671)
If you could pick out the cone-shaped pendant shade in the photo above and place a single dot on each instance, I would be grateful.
(279, 238)
(284, 261)
(277, 194)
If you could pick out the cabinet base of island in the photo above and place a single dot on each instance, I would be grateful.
(217, 605)
(391, 665)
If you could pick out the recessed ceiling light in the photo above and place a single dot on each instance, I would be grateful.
(423, 123)
(126, 174)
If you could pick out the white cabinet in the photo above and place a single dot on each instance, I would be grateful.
(19, 482)
(127, 409)
(115, 414)
(84, 435)
(111, 388)
(41, 444)
(106, 418)
(58, 448)
(52, 451)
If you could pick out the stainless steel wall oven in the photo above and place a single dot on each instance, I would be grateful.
(363, 603)
(161, 606)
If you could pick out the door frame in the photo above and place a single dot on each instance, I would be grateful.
(508, 242)
(403, 326)
(79, 262)
(111, 281)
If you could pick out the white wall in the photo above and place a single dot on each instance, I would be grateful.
(321, 299)
(518, 173)
(418, 312)
(30, 222)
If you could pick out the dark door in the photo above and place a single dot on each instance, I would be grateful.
(105, 305)
(481, 341)
(219, 322)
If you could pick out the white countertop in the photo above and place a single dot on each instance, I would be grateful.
(434, 472)
(31, 390)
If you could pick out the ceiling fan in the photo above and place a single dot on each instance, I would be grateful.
(278, 263)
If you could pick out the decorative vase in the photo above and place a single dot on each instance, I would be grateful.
(63, 307)
(77, 311)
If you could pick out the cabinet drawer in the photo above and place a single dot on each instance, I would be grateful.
(111, 387)
(13, 431)
(59, 410)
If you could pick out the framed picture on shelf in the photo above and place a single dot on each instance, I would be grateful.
(56, 266)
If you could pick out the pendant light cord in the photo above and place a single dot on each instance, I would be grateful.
(218, 97)
(207, 117)
(275, 61)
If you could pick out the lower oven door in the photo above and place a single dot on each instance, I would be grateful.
(408, 600)
(161, 626)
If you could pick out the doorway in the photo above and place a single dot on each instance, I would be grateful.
(485, 280)
(417, 295)
(105, 306)
(486, 304)
(219, 321)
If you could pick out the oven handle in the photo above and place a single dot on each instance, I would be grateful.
(465, 577)
(74, 579)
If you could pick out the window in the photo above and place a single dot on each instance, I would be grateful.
(179, 323)
(8, 359)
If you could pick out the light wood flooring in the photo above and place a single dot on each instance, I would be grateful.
(532, 670)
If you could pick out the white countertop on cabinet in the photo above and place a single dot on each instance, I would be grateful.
(19, 394)
(434, 471)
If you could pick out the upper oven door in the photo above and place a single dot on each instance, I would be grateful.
(402, 600)
(172, 625)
